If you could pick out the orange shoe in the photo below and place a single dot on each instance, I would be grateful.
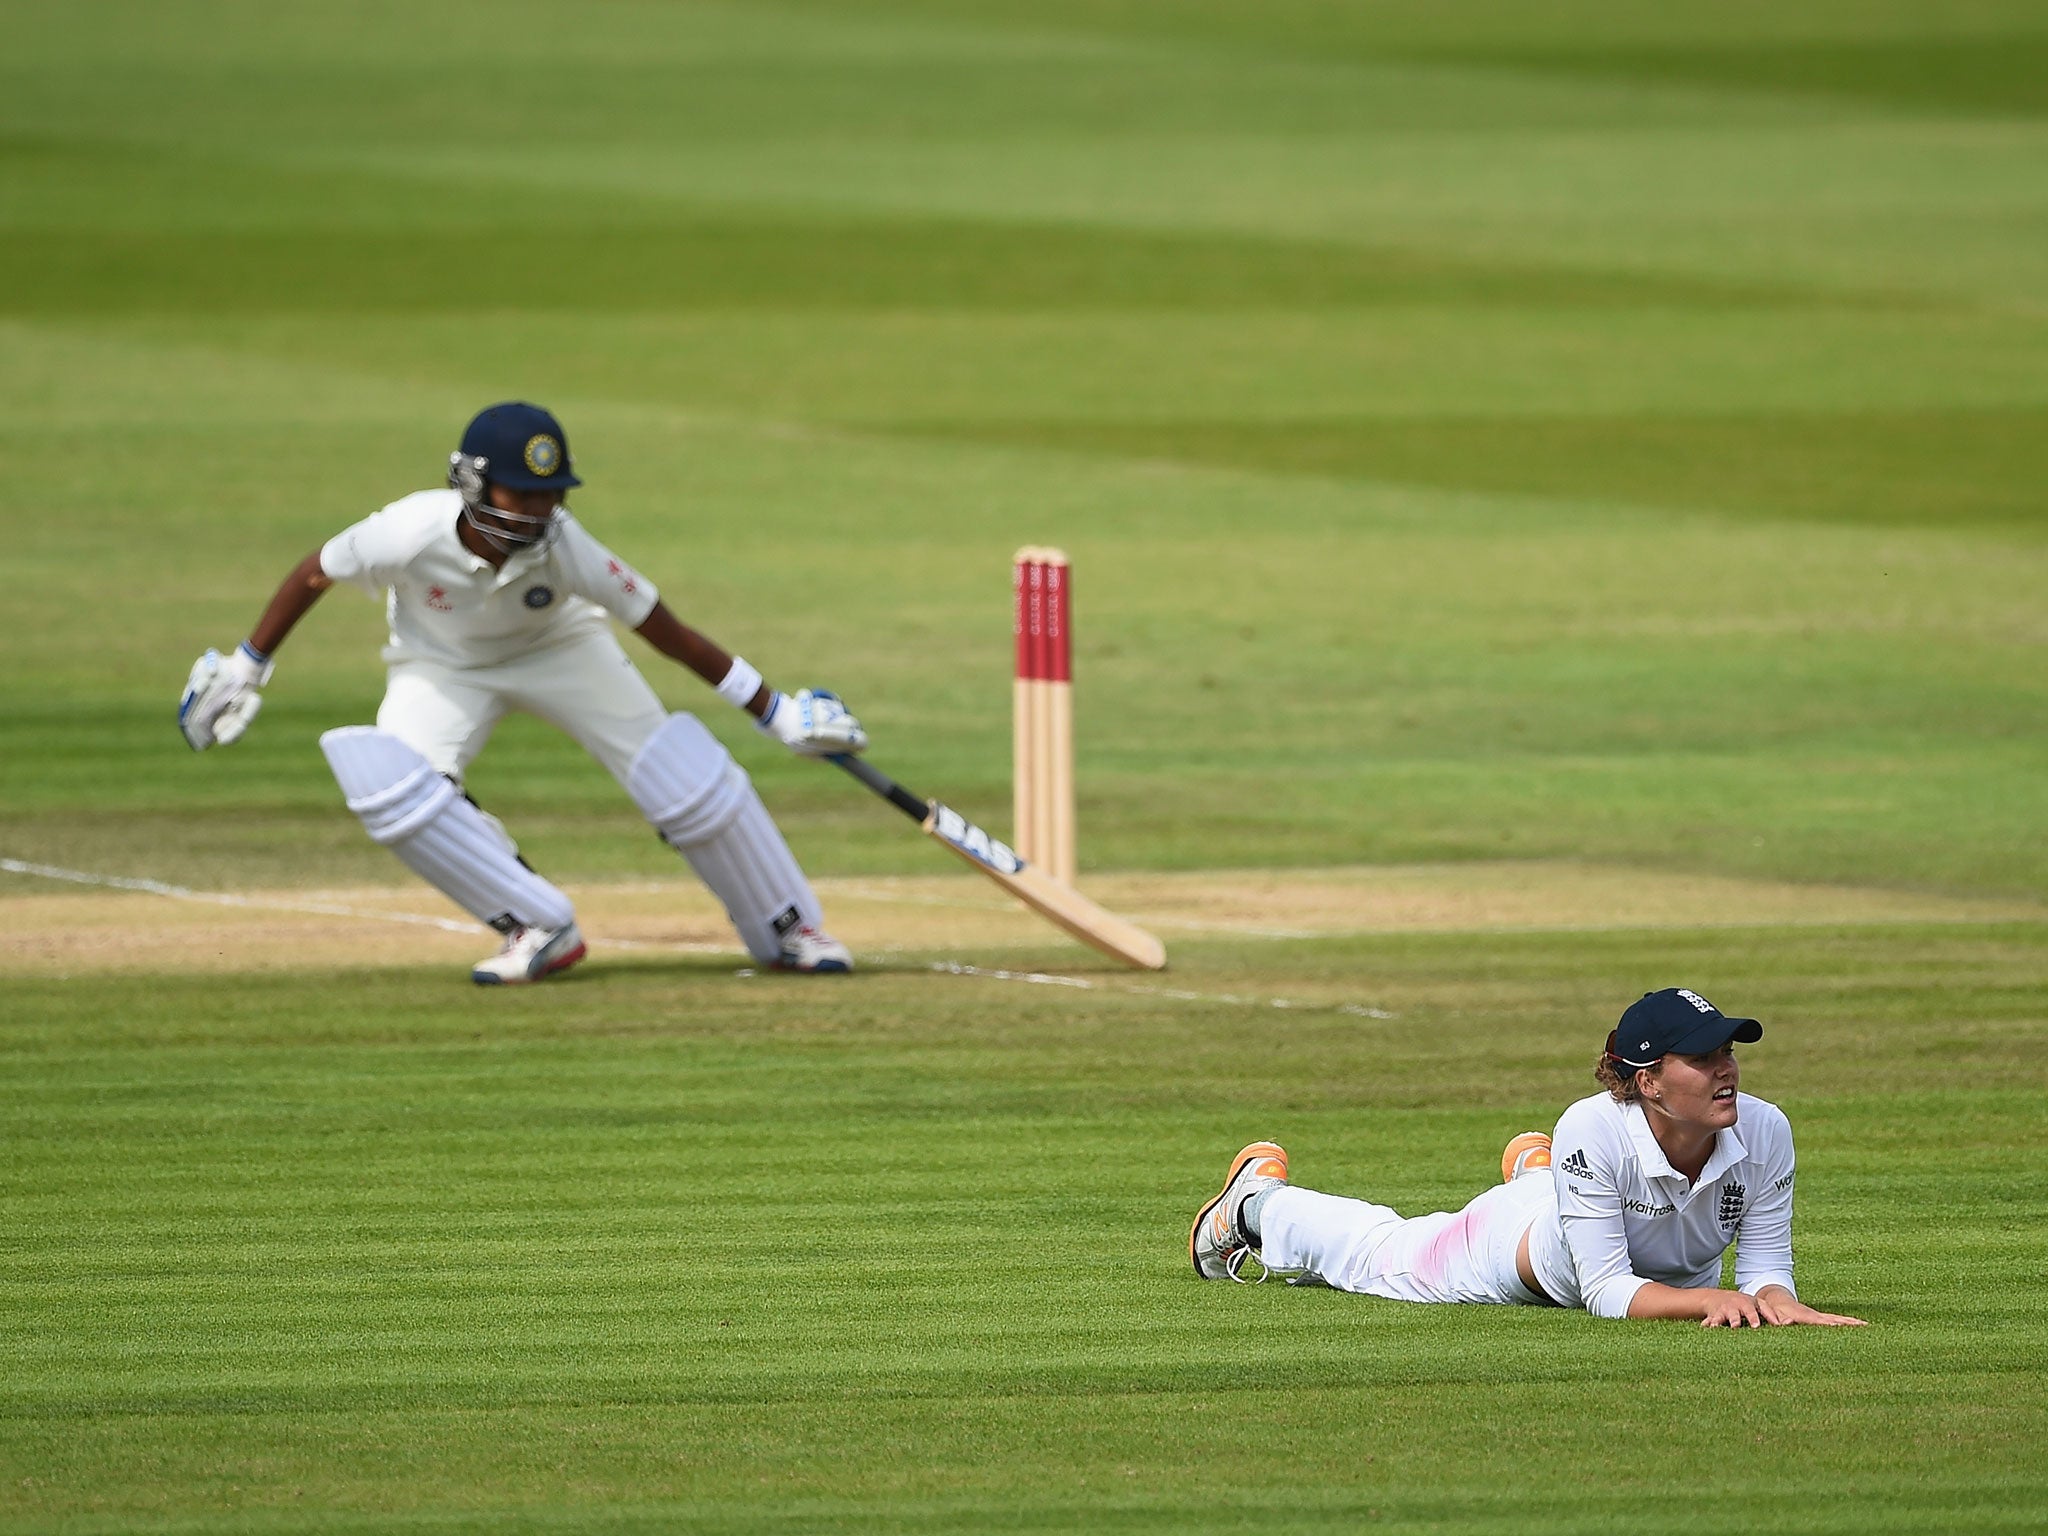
(1529, 1150)
(1216, 1242)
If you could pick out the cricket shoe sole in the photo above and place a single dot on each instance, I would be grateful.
(1217, 1243)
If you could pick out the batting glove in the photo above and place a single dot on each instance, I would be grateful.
(812, 722)
(220, 697)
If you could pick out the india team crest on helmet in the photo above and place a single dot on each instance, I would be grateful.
(543, 454)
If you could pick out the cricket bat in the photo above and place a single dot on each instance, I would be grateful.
(1057, 903)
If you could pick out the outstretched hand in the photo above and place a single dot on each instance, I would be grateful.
(813, 723)
(1781, 1307)
(1776, 1307)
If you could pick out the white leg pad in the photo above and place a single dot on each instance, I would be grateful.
(705, 807)
(421, 817)
(391, 788)
(681, 779)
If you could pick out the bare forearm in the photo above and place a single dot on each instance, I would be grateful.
(295, 595)
(1658, 1300)
(680, 643)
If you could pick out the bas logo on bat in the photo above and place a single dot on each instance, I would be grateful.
(972, 841)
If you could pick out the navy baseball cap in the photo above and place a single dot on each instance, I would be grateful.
(1674, 1022)
(522, 446)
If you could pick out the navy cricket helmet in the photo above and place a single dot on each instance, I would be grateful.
(522, 446)
(1676, 1021)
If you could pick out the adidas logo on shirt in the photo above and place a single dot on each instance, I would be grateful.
(1577, 1166)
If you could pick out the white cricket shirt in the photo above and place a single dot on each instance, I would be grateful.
(450, 606)
(1625, 1216)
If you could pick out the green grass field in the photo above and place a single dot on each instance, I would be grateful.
(1512, 454)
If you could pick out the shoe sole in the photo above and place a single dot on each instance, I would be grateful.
(1251, 1154)
(1527, 1141)
(559, 963)
(822, 968)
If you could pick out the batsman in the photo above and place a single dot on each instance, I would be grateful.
(499, 600)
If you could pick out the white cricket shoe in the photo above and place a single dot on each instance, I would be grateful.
(814, 951)
(528, 955)
(1217, 1242)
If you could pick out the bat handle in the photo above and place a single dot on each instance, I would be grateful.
(882, 785)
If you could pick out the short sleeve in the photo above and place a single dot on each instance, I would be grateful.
(374, 553)
(590, 570)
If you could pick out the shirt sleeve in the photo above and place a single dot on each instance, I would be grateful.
(375, 552)
(590, 570)
(1763, 1238)
(1589, 1210)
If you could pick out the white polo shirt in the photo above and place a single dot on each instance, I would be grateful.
(1625, 1216)
(448, 605)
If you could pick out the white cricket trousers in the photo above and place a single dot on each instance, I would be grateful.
(1353, 1245)
(586, 686)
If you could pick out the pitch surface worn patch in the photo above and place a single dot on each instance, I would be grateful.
(78, 921)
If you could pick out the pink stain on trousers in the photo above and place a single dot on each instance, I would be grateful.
(1453, 1245)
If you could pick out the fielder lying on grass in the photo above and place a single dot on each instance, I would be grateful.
(498, 601)
(1632, 1221)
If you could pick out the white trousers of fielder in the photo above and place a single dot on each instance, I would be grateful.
(1354, 1245)
(687, 785)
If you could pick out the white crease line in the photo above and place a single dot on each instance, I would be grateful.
(228, 899)
(1045, 979)
(313, 908)
(1030, 978)
(456, 925)
(459, 926)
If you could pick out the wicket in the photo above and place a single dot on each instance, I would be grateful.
(1042, 705)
